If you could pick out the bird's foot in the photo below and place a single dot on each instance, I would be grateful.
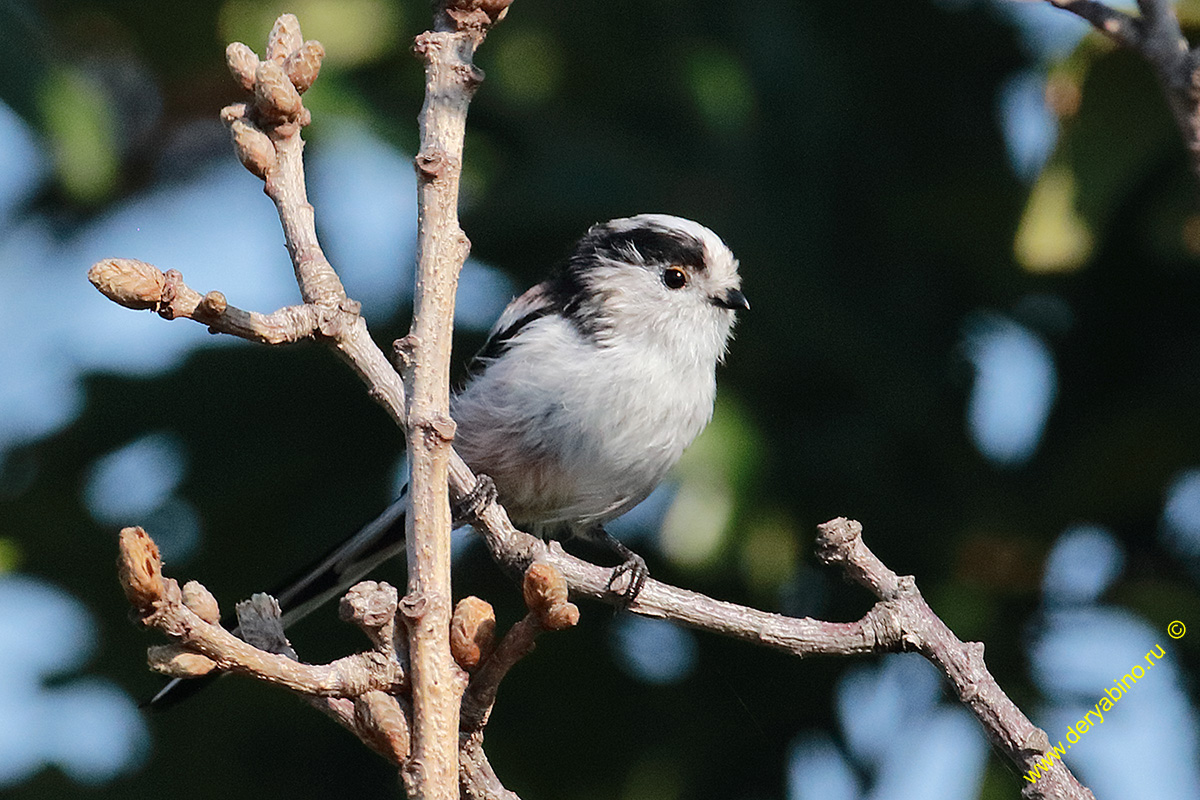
(468, 507)
(635, 567)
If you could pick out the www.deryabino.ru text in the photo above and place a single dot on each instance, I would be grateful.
(1121, 687)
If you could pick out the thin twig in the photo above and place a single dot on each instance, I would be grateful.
(136, 284)
(266, 135)
(900, 621)
(1156, 35)
(545, 592)
(1123, 28)
(478, 780)
(917, 627)
(161, 604)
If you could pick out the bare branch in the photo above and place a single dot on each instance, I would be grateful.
(839, 543)
(545, 593)
(450, 82)
(278, 111)
(138, 285)
(359, 691)
(476, 778)
(266, 137)
(516, 551)
(1123, 28)
(901, 621)
(160, 604)
(1156, 35)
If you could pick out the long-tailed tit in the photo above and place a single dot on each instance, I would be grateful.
(587, 391)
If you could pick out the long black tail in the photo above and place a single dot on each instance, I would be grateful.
(322, 580)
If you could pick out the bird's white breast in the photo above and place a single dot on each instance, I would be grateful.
(575, 433)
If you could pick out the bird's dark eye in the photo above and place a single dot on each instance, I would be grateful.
(674, 278)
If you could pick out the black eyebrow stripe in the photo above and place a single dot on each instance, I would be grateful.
(656, 246)
(566, 294)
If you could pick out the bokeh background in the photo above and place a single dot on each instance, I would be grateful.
(972, 245)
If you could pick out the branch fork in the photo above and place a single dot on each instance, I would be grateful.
(368, 693)
(1155, 34)
(389, 695)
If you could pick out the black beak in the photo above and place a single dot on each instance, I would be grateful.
(732, 299)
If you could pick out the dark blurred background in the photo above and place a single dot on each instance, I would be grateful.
(971, 242)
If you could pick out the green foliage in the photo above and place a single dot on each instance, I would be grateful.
(79, 122)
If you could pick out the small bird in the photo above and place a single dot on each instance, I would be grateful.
(587, 391)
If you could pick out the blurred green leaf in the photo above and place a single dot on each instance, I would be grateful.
(353, 32)
(712, 475)
(79, 122)
(720, 88)
(528, 65)
(10, 555)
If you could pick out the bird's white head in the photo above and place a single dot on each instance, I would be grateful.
(655, 276)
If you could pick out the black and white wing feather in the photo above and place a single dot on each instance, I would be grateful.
(539, 301)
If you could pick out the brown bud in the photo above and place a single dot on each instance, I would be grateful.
(369, 604)
(472, 632)
(560, 617)
(303, 66)
(253, 147)
(243, 63)
(543, 587)
(201, 602)
(495, 9)
(284, 38)
(171, 591)
(467, 14)
(274, 95)
(131, 283)
(212, 304)
(546, 595)
(139, 568)
(231, 112)
(383, 722)
(173, 660)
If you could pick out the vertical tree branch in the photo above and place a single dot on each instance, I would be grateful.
(1156, 35)
(450, 81)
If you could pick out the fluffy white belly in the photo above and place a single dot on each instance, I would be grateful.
(588, 441)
